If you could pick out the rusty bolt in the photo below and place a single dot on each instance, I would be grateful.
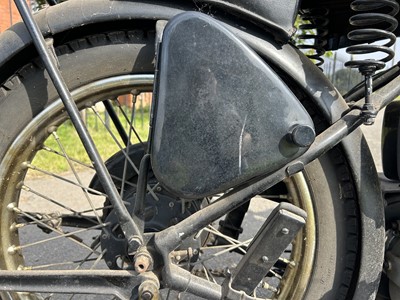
(148, 290)
(147, 295)
(142, 263)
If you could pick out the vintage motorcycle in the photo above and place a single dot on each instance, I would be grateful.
(254, 181)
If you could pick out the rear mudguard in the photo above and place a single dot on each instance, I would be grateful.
(75, 14)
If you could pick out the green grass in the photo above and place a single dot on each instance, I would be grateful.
(73, 147)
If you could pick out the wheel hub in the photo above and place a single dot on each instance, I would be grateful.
(159, 214)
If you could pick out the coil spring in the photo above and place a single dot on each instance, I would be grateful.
(372, 22)
(319, 25)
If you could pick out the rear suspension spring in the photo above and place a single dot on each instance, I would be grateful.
(316, 31)
(377, 19)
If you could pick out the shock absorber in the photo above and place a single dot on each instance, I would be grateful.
(316, 31)
(377, 19)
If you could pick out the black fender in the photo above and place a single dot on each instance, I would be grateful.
(79, 13)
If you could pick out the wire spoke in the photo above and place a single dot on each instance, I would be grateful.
(30, 190)
(128, 146)
(76, 213)
(208, 273)
(85, 192)
(123, 151)
(132, 128)
(98, 208)
(66, 263)
(83, 187)
(228, 238)
(46, 148)
(214, 255)
(79, 162)
(61, 234)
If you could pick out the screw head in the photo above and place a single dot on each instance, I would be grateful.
(285, 231)
(265, 259)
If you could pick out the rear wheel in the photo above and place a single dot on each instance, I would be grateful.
(52, 218)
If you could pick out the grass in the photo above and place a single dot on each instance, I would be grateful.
(72, 145)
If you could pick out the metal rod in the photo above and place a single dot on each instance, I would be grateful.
(128, 226)
(116, 121)
(140, 199)
(106, 282)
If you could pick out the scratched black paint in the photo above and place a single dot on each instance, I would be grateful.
(222, 116)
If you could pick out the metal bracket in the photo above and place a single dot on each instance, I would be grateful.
(278, 231)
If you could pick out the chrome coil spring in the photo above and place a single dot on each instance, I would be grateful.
(372, 23)
(316, 31)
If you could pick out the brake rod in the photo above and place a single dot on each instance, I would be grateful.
(46, 52)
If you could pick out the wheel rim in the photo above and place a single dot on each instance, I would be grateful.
(15, 165)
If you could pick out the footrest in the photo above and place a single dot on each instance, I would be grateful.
(278, 231)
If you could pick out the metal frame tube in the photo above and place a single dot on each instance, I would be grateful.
(130, 229)
(105, 282)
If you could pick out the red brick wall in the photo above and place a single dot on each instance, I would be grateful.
(8, 14)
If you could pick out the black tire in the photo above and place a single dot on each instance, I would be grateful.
(94, 57)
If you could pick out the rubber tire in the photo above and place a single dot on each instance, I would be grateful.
(98, 56)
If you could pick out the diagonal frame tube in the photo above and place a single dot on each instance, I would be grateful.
(130, 229)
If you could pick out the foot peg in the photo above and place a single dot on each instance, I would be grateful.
(278, 231)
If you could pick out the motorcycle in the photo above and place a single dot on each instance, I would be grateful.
(254, 180)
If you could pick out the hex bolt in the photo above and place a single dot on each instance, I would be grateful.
(285, 231)
(302, 135)
(133, 244)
